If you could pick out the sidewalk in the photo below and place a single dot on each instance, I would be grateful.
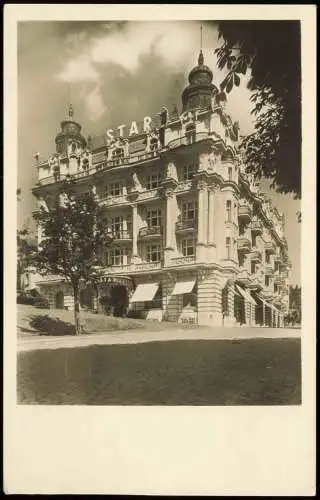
(135, 336)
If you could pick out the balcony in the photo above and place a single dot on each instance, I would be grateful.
(182, 261)
(255, 256)
(133, 268)
(121, 235)
(187, 140)
(151, 232)
(270, 247)
(256, 227)
(269, 271)
(244, 212)
(244, 245)
(186, 226)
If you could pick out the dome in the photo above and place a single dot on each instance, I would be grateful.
(69, 130)
(200, 73)
(198, 93)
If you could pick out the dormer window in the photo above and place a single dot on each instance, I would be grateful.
(118, 155)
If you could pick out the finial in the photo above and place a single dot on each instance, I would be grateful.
(201, 37)
(70, 111)
(200, 59)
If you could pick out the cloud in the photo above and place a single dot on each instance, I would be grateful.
(95, 104)
(79, 69)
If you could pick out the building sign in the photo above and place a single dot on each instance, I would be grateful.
(126, 131)
(117, 280)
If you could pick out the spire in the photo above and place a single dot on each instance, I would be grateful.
(70, 112)
(200, 59)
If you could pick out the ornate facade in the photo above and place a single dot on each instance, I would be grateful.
(194, 239)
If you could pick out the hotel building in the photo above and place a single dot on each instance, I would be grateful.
(194, 239)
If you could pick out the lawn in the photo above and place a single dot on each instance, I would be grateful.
(187, 372)
(32, 321)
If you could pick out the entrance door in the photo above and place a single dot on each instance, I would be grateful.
(119, 300)
(59, 302)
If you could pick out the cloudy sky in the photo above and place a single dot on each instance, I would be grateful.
(113, 73)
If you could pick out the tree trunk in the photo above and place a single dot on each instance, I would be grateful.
(77, 310)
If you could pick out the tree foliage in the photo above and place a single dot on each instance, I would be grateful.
(269, 51)
(74, 236)
(26, 251)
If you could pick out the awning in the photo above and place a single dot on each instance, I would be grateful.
(182, 287)
(268, 304)
(246, 295)
(144, 292)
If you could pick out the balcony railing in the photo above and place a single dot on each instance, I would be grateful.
(244, 212)
(256, 227)
(186, 140)
(244, 245)
(130, 268)
(121, 235)
(151, 231)
(186, 225)
(256, 256)
(184, 260)
(270, 247)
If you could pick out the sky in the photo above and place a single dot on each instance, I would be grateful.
(114, 73)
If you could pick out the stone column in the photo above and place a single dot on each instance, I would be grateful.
(211, 215)
(202, 220)
(135, 230)
(169, 225)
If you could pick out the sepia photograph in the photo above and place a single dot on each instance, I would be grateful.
(161, 198)
(159, 184)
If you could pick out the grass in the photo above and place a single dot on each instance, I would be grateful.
(187, 372)
(55, 322)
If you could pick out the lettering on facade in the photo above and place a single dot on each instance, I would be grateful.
(125, 131)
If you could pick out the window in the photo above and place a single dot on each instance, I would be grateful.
(267, 257)
(275, 288)
(267, 280)
(153, 181)
(189, 211)
(188, 247)
(116, 256)
(115, 189)
(242, 228)
(153, 253)
(241, 259)
(117, 224)
(189, 171)
(118, 155)
(230, 173)
(190, 133)
(253, 267)
(228, 208)
(154, 217)
(228, 247)
(153, 144)
(254, 240)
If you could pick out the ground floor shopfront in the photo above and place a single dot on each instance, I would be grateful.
(193, 296)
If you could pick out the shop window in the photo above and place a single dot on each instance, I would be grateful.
(190, 299)
(188, 247)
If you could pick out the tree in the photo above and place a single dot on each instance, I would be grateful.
(270, 52)
(25, 253)
(74, 234)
